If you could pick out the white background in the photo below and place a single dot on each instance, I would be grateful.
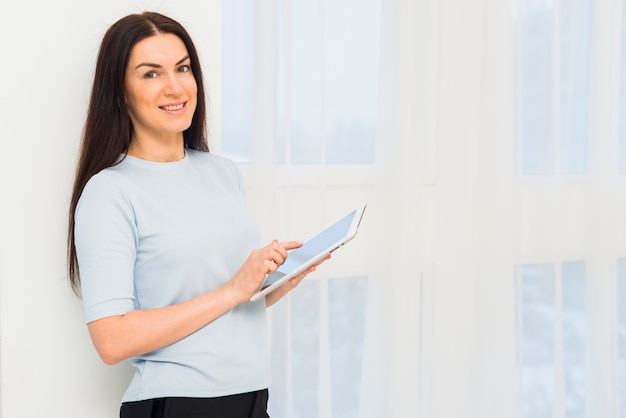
(48, 367)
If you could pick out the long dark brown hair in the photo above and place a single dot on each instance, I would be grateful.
(108, 127)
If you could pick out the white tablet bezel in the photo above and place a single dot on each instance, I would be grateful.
(352, 230)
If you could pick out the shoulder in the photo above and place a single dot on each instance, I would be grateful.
(215, 163)
(104, 189)
(105, 181)
(211, 158)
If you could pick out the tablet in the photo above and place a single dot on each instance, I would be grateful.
(313, 250)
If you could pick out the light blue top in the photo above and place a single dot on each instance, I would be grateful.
(153, 234)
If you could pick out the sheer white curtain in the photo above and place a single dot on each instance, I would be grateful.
(487, 138)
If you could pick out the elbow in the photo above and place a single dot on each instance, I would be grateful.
(110, 360)
(105, 338)
(109, 356)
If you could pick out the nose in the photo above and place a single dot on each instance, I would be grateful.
(173, 86)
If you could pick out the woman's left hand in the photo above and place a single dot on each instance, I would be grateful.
(276, 295)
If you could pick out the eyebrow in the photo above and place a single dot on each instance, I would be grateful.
(148, 64)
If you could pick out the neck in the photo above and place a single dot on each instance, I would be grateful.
(157, 151)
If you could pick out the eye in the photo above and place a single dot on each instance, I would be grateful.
(184, 68)
(150, 74)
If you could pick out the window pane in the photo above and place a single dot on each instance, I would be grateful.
(621, 335)
(537, 341)
(574, 337)
(278, 405)
(334, 81)
(280, 139)
(237, 78)
(347, 301)
(306, 82)
(305, 331)
(537, 87)
(574, 67)
(622, 107)
(331, 78)
(351, 67)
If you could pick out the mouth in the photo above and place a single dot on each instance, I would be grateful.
(173, 107)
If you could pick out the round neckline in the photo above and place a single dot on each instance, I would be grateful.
(155, 164)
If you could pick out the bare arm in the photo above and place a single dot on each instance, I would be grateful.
(117, 338)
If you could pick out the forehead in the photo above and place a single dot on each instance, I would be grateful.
(159, 49)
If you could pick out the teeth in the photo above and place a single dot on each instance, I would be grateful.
(176, 107)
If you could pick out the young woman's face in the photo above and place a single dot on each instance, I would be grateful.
(160, 89)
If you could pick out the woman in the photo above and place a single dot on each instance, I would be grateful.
(161, 245)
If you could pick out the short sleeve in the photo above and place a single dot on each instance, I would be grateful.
(106, 247)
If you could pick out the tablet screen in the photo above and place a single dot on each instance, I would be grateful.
(313, 247)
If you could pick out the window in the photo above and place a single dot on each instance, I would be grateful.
(552, 340)
(622, 98)
(347, 301)
(305, 349)
(237, 78)
(537, 345)
(326, 67)
(554, 53)
(621, 336)
(298, 384)
(574, 339)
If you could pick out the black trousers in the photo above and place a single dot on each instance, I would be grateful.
(245, 405)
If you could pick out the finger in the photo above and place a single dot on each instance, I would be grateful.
(270, 266)
(277, 251)
(290, 245)
(296, 280)
(322, 260)
(277, 256)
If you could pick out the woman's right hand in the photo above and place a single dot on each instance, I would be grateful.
(261, 262)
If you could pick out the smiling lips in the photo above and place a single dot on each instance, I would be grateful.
(173, 107)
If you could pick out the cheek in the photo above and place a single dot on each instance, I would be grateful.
(191, 86)
(134, 106)
(192, 90)
(131, 107)
(130, 99)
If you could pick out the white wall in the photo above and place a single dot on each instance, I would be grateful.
(48, 367)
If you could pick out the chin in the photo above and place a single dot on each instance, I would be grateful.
(180, 128)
